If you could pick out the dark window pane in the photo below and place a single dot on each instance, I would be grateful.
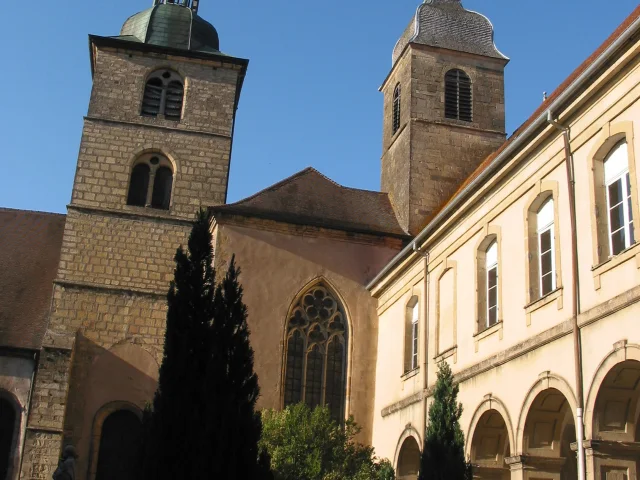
(457, 96)
(173, 103)
(546, 264)
(313, 384)
(615, 193)
(335, 378)
(545, 241)
(632, 237)
(617, 242)
(139, 185)
(628, 185)
(293, 376)
(493, 297)
(152, 97)
(547, 284)
(492, 277)
(120, 444)
(161, 196)
(7, 432)
(616, 217)
(396, 108)
(493, 316)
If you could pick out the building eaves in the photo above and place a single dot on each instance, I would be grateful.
(568, 90)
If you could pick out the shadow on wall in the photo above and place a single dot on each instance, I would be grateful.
(106, 384)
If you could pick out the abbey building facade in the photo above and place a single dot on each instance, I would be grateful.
(514, 260)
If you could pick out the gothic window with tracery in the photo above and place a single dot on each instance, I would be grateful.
(316, 352)
(151, 182)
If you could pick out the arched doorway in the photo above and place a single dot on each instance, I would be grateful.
(7, 432)
(549, 432)
(409, 460)
(616, 422)
(489, 447)
(119, 451)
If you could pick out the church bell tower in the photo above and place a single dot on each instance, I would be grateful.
(156, 146)
(443, 108)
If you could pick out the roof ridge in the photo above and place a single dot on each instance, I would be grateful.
(38, 212)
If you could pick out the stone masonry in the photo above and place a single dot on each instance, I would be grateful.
(117, 259)
(430, 155)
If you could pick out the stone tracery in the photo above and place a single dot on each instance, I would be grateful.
(316, 352)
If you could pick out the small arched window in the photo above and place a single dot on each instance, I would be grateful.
(315, 365)
(546, 248)
(618, 192)
(457, 96)
(151, 182)
(396, 108)
(412, 318)
(163, 95)
(488, 286)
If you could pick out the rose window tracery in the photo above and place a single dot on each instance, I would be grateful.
(316, 352)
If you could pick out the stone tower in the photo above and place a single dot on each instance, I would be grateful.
(443, 108)
(155, 146)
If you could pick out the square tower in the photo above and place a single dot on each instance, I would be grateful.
(443, 108)
(156, 146)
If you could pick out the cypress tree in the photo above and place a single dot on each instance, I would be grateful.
(443, 452)
(206, 369)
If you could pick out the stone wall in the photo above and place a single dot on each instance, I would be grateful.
(429, 156)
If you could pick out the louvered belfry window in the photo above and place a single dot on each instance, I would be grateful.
(457, 96)
(163, 95)
(315, 364)
(396, 108)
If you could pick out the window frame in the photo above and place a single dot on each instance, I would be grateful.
(163, 161)
(624, 177)
(490, 266)
(489, 235)
(548, 227)
(610, 135)
(411, 352)
(461, 79)
(396, 108)
(166, 82)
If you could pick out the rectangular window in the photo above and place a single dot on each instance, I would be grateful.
(620, 213)
(547, 261)
(414, 337)
(492, 295)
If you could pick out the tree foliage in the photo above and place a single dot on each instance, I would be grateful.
(443, 453)
(306, 444)
(203, 423)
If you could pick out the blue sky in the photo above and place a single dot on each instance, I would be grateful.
(311, 95)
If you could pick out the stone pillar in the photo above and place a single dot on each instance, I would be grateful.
(516, 465)
(45, 426)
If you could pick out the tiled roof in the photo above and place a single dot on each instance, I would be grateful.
(447, 24)
(29, 253)
(310, 198)
(541, 109)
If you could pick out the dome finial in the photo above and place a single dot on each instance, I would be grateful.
(192, 4)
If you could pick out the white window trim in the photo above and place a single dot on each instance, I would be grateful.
(541, 230)
(415, 318)
(489, 267)
(627, 218)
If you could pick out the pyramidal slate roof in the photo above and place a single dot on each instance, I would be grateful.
(310, 198)
(30, 245)
(447, 24)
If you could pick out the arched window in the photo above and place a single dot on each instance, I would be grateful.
(151, 182)
(163, 95)
(120, 442)
(396, 108)
(316, 352)
(488, 281)
(457, 96)
(7, 432)
(546, 248)
(491, 266)
(618, 192)
(412, 317)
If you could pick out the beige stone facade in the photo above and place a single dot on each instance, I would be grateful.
(354, 297)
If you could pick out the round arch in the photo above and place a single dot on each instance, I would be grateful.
(490, 403)
(11, 401)
(96, 432)
(545, 381)
(621, 352)
(407, 455)
(159, 149)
